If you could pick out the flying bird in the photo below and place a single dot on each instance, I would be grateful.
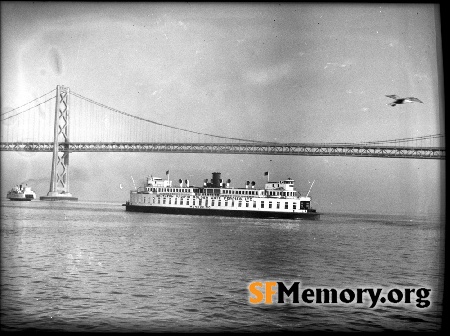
(399, 100)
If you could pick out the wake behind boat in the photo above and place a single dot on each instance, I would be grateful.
(216, 198)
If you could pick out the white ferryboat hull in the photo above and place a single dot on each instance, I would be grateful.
(21, 197)
(208, 211)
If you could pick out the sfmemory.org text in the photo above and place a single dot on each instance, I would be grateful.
(264, 292)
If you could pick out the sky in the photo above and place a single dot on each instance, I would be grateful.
(289, 72)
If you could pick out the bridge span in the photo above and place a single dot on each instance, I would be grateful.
(312, 149)
(63, 122)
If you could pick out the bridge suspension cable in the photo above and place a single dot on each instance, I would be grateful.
(30, 122)
(15, 115)
(4, 113)
(162, 124)
(426, 137)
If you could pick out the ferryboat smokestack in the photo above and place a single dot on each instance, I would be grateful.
(216, 180)
(253, 184)
(187, 183)
(247, 184)
(181, 183)
(228, 183)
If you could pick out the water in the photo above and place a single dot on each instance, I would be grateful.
(92, 267)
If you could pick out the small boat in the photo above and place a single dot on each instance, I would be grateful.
(21, 193)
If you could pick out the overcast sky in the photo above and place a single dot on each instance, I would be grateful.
(275, 72)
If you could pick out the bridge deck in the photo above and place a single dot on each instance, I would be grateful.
(312, 149)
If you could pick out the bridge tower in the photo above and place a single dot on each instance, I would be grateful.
(59, 179)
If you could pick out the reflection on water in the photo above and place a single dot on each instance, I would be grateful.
(94, 267)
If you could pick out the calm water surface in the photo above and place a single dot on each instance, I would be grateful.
(89, 267)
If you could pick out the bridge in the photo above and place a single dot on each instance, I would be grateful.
(42, 125)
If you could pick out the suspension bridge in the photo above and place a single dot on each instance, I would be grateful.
(42, 125)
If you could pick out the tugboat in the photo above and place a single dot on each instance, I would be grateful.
(216, 198)
(21, 193)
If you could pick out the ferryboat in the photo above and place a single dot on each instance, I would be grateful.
(217, 198)
(21, 193)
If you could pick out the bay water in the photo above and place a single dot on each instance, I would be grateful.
(93, 267)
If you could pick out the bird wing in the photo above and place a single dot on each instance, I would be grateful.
(393, 96)
(415, 99)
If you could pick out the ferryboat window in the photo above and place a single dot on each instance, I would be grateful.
(159, 200)
(232, 203)
(212, 202)
(175, 202)
(219, 203)
(247, 204)
(164, 201)
(181, 201)
(262, 204)
(294, 205)
(170, 201)
(240, 204)
(286, 205)
(270, 205)
(226, 203)
(254, 204)
(278, 205)
(302, 204)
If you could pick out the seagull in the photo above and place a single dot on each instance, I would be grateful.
(399, 100)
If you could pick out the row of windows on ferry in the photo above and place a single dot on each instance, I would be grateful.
(231, 203)
(225, 191)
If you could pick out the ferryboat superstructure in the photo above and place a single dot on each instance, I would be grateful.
(217, 198)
